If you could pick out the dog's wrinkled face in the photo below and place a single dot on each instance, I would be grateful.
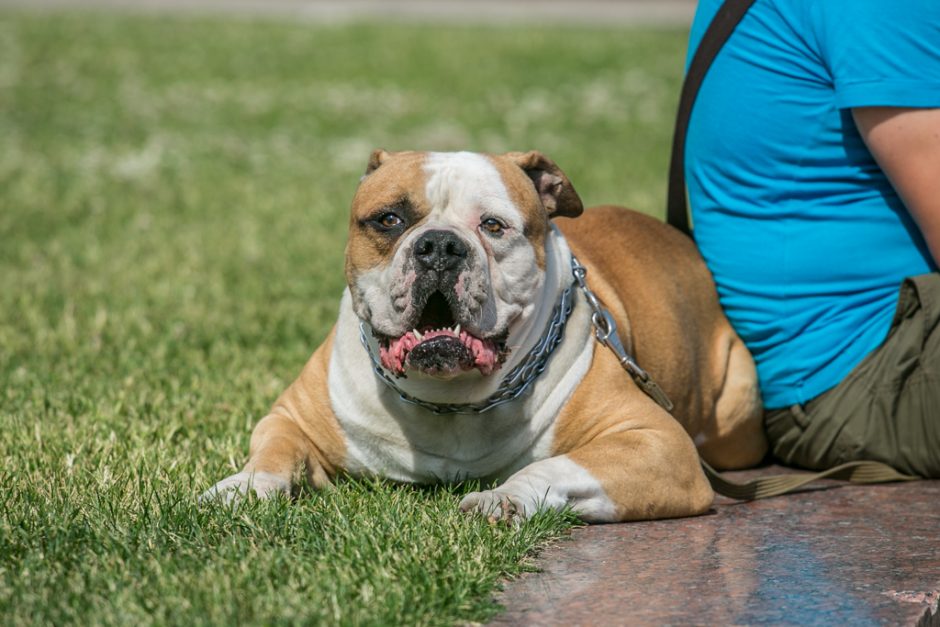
(446, 252)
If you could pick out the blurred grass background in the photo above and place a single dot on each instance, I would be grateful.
(173, 206)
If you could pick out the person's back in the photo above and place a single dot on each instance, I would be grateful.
(805, 235)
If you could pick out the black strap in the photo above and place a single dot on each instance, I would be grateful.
(723, 24)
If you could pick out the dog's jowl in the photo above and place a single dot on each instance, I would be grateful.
(465, 348)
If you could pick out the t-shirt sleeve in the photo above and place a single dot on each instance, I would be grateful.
(881, 53)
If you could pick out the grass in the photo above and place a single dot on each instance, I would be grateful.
(173, 198)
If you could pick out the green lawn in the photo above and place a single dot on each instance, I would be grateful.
(173, 198)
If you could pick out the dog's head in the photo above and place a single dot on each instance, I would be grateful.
(446, 253)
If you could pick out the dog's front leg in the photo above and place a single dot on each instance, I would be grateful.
(624, 474)
(279, 449)
(301, 432)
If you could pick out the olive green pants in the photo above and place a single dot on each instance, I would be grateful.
(887, 409)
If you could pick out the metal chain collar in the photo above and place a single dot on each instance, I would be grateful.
(520, 378)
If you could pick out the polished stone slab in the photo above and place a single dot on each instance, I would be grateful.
(853, 555)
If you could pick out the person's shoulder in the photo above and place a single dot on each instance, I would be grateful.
(880, 53)
(845, 19)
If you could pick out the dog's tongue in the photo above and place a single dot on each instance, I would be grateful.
(471, 352)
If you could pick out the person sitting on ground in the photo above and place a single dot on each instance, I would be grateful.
(813, 168)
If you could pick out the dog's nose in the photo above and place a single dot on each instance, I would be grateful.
(440, 250)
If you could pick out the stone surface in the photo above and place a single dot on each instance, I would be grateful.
(853, 555)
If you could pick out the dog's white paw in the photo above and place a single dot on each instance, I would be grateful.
(549, 484)
(234, 488)
(499, 505)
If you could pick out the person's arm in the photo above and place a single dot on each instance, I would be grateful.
(906, 144)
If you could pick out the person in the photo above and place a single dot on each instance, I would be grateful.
(813, 169)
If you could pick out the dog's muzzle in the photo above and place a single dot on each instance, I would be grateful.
(440, 342)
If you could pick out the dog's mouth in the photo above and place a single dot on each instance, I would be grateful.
(439, 347)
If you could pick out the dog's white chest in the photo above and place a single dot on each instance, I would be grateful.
(387, 437)
(412, 446)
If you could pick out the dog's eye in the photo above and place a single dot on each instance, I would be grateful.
(492, 225)
(389, 220)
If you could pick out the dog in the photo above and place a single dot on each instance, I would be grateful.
(465, 348)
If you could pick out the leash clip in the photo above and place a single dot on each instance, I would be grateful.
(605, 331)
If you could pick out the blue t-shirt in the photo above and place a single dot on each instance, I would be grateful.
(806, 238)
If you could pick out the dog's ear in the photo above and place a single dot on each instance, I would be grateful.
(554, 188)
(378, 157)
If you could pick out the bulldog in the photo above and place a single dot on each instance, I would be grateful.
(465, 348)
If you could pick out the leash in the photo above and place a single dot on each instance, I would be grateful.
(677, 215)
(860, 472)
(605, 332)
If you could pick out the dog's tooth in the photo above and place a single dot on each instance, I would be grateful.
(457, 330)
(417, 335)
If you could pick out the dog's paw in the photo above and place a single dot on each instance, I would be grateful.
(236, 487)
(498, 506)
